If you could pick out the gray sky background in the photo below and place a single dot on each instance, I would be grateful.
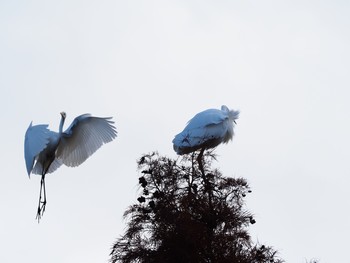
(152, 65)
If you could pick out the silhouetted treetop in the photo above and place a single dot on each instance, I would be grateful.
(183, 215)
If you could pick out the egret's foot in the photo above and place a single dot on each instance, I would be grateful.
(41, 210)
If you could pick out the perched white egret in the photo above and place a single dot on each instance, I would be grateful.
(45, 150)
(205, 130)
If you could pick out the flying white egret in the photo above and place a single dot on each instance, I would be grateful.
(45, 150)
(206, 130)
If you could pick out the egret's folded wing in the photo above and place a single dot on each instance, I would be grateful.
(83, 137)
(198, 136)
(36, 140)
(204, 125)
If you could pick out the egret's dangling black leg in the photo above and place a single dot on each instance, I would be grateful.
(42, 204)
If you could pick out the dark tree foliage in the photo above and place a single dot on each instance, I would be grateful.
(183, 215)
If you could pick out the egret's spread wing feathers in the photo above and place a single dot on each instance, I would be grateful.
(36, 140)
(83, 137)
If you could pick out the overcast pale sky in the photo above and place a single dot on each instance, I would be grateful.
(152, 65)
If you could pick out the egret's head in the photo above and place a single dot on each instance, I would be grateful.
(63, 114)
(233, 115)
(224, 108)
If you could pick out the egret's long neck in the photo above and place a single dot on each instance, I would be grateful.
(61, 125)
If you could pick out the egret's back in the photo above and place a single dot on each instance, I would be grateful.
(46, 161)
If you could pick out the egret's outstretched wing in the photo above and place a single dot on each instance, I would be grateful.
(83, 137)
(36, 140)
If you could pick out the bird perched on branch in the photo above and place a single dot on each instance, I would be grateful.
(206, 130)
(45, 150)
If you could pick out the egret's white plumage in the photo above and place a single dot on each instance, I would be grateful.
(205, 130)
(45, 150)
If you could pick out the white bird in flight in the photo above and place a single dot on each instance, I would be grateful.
(206, 130)
(45, 150)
